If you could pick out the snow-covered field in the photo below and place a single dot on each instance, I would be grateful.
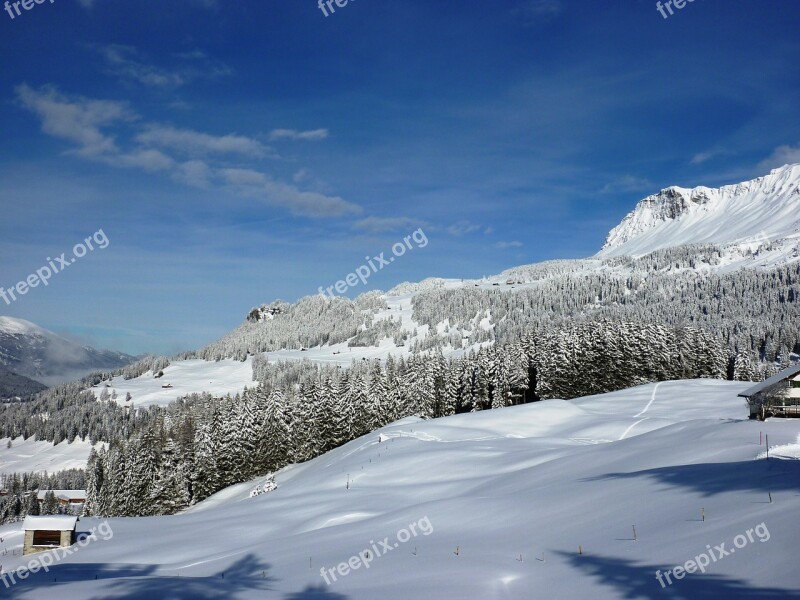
(536, 501)
(184, 378)
(30, 455)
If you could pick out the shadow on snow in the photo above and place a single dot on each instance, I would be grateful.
(633, 580)
(716, 478)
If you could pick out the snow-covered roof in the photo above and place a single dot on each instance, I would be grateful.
(772, 381)
(49, 523)
(63, 494)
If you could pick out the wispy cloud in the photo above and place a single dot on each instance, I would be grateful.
(128, 64)
(701, 157)
(506, 245)
(304, 203)
(192, 142)
(85, 123)
(462, 228)
(195, 173)
(627, 183)
(149, 160)
(78, 121)
(294, 134)
(782, 155)
(383, 224)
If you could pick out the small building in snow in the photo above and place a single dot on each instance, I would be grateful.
(48, 532)
(68, 499)
(778, 396)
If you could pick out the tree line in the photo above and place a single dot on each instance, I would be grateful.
(199, 445)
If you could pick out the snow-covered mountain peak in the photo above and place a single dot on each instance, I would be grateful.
(767, 208)
(14, 326)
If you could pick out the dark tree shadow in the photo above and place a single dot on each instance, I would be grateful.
(315, 593)
(716, 478)
(633, 580)
(140, 582)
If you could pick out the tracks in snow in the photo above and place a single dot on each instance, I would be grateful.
(646, 408)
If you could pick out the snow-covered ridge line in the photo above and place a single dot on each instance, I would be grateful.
(764, 209)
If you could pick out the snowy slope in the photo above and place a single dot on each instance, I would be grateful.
(30, 455)
(766, 209)
(183, 378)
(501, 502)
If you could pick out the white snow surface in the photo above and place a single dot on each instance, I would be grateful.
(748, 214)
(184, 377)
(31, 455)
(49, 522)
(506, 497)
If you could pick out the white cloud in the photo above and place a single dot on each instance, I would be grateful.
(195, 173)
(78, 121)
(627, 183)
(195, 142)
(294, 134)
(382, 224)
(126, 63)
(462, 228)
(782, 155)
(506, 245)
(308, 204)
(701, 157)
(149, 160)
(82, 122)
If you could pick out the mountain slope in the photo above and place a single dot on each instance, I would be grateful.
(13, 385)
(764, 210)
(501, 501)
(39, 354)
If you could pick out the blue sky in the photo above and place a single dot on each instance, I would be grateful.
(238, 152)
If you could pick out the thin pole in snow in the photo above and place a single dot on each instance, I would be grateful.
(634, 534)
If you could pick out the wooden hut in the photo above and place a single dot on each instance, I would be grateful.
(778, 396)
(48, 532)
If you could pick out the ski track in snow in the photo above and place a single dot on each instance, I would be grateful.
(646, 408)
(649, 404)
